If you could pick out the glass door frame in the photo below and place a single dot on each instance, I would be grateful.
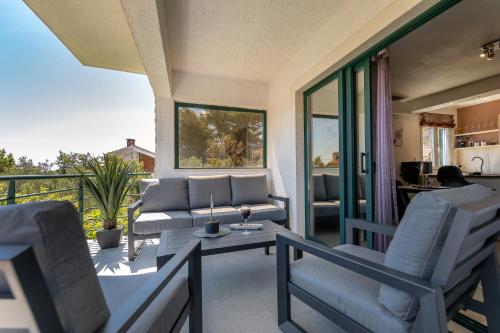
(308, 194)
(348, 167)
(347, 121)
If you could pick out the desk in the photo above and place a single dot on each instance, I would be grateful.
(419, 188)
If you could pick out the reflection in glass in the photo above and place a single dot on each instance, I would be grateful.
(325, 160)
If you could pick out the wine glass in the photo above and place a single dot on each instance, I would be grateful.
(245, 212)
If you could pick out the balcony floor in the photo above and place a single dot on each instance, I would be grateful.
(239, 289)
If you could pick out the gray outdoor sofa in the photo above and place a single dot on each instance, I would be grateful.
(327, 195)
(183, 202)
(443, 248)
(48, 282)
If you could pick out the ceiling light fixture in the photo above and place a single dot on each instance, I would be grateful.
(488, 50)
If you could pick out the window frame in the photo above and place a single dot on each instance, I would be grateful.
(437, 154)
(179, 105)
(325, 116)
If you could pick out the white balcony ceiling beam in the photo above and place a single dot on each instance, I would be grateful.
(95, 31)
(146, 19)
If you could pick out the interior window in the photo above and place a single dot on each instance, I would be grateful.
(436, 146)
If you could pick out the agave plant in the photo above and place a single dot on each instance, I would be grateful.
(109, 183)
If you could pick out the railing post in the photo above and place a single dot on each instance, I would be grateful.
(80, 197)
(11, 192)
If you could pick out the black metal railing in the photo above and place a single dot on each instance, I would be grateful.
(12, 195)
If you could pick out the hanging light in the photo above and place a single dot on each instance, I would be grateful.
(488, 50)
(483, 52)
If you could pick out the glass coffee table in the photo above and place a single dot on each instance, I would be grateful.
(171, 241)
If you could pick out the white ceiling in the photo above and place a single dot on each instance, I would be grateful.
(243, 39)
(444, 53)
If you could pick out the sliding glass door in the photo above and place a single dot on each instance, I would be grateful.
(338, 157)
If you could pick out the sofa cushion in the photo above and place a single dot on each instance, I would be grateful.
(56, 234)
(419, 239)
(225, 215)
(165, 194)
(267, 212)
(332, 186)
(249, 189)
(155, 222)
(201, 187)
(354, 295)
(146, 182)
(319, 188)
(326, 208)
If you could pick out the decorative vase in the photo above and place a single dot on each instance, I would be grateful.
(212, 227)
(109, 238)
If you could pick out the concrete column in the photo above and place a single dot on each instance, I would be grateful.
(164, 136)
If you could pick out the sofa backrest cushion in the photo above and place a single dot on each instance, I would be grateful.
(201, 187)
(332, 186)
(55, 232)
(319, 188)
(249, 189)
(146, 182)
(420, 237)
(165, 194)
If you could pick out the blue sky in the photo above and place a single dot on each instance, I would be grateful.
(49, 101)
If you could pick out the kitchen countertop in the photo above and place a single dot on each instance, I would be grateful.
(467, 175)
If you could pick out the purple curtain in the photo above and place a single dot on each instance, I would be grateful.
(385, 175)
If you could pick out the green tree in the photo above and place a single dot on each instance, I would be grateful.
(194, 134)
(318, 163)
(71, 162)
(7, 161)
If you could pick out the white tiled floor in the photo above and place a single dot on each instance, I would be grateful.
(239, 289)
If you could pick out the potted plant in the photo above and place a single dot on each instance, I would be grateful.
(211, 226)
(109, 182)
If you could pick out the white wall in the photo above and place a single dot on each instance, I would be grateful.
(411, 148)
(203, 89)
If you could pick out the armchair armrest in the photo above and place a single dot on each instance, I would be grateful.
(286, 203)
(128, 313)
(358, 224)
(388, 276)
(131, 210)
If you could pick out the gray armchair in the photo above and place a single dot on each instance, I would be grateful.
(443, 248)
(48, 282)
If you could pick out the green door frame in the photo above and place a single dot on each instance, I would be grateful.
(348, 156)
(308, 149)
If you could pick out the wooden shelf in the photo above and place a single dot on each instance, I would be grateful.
(480, 132)
(488, 146)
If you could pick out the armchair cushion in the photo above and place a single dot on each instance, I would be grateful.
(332, 186)
(155, 222)
(225, 215)
(201, 187)
(161, 315)
(420, 237)
(166, 194)
(65, 261)
(249, 189)
(319, 188)
(352, 294)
